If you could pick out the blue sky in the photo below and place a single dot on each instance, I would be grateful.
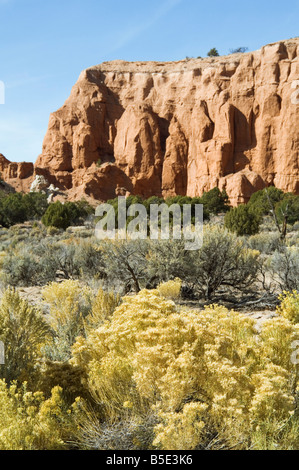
(44, 45)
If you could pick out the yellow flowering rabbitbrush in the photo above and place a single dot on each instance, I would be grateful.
(29, 421)
(202, 373)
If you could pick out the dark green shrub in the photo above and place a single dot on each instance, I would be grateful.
(84, 208)
(12, 210)
(153, 200)
(35, 205)
(242, 220)
(79, 211)
(57, 215)
(215, 201)
(16, 208)
(63, 215)
(265, 200)
(288, 208)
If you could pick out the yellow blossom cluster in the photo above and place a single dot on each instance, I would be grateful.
(289, 306)
(170, 289)
(29, 421)
(203, 373)
(64, 300)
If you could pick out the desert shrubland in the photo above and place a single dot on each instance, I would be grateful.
(144, 344)
(146, 372)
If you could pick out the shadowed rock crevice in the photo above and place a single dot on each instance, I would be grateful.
(163, 125)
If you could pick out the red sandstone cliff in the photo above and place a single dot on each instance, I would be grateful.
(152, 128)
(18, 175)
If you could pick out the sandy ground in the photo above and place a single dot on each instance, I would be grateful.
(34, 297)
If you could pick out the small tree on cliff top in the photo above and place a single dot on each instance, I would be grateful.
(213, 52)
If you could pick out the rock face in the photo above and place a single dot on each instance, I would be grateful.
(171, 128)
(17, 175)
(39, 184)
